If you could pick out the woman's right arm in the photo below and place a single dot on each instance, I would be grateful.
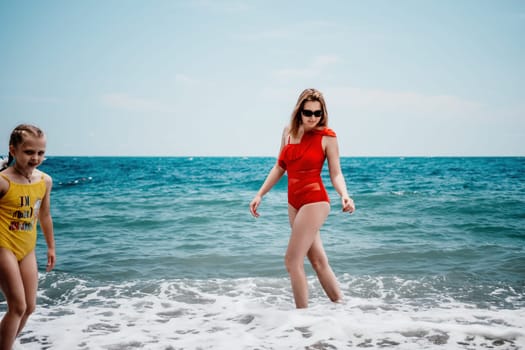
(273, 177)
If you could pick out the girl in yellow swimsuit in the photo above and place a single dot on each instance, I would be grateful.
(24, 201)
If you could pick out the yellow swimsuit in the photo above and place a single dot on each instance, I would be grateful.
(19, 209)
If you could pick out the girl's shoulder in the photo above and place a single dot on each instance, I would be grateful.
(4, 184)
(41, 174)
(44, 176)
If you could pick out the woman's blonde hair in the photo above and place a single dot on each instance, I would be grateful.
(307, 95)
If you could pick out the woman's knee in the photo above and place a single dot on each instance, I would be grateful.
(293, 263)
(319, 263)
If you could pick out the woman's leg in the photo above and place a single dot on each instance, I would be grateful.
(326, 276)
(29, 273)
(12, 287)
(305, 224)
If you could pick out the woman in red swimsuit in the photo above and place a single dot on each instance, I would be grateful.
(305, 145)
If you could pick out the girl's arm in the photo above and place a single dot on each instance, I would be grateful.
(46, 223)
(4, 186)
(336, 175)
(273, 177)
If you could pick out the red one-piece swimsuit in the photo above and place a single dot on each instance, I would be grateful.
(304, 162)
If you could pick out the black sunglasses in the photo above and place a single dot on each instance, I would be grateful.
(308, 113)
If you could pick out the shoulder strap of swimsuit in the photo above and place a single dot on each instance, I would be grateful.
(327, 132)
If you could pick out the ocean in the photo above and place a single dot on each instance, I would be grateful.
(162, 253)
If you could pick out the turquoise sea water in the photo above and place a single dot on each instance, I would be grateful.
(162, 253)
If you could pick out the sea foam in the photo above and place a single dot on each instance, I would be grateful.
(258, 313)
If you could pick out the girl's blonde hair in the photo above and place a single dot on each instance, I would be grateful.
(18, 136)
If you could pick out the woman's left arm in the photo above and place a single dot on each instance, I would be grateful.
(46, 223)
(336, 175)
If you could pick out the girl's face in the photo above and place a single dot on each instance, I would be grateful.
(311, 114)
(30, 153)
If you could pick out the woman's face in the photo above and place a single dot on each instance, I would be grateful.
(311, 114)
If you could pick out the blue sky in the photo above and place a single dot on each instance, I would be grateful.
(220, 78)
